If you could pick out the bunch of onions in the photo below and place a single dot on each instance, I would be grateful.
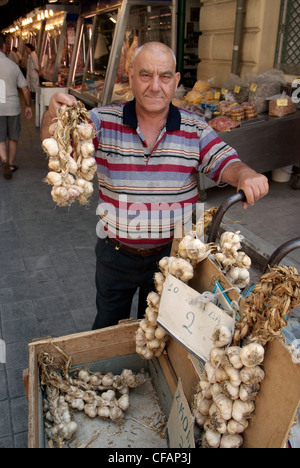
(234, 263)
(226, 393)
(70, 151)
(99, 395)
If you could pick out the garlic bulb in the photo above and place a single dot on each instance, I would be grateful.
(230, 240)
(60, 195)
(252, 355)
(89, 164)
(164, 264)
(252, 375)
(230, 391)
(153, 300)
(222, 336)
(184, 245)
(234, 376)
(54, 179)
(50, 146)
(235, 427)
(87, 149)
(216, 356)
(54, 164)
(224, 405)
(231, 441)
(242, 410)
(233, 354)
(159, 280)
(248, 392)
(85, 131)
(213, 438)
(181, 269)
(194, 249)
(238, 276)
(243, 260)
(104, 412)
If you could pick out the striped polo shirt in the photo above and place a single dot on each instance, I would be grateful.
(142, 196)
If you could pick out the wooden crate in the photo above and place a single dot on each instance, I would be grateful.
(277, 402)
(94, 348)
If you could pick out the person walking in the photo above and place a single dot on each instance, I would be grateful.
(149, 153)
(14, 56)
(11, 79)
(32, 75)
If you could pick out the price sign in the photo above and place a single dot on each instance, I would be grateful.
(282, 102)
(188, 319)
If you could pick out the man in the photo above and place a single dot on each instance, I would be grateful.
(32, 75)
(11, 79)
(149, 153)
(14, 56)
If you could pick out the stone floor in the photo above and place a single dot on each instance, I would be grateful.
(47, 265)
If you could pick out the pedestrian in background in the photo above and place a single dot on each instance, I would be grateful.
(14, 56)
(11, 79)
(32, 75)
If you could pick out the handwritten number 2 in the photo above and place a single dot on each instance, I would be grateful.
(191, 321)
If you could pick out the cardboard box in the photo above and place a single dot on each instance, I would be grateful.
(277, 402)
(279, 398)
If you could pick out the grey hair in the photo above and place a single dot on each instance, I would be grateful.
(139, 50)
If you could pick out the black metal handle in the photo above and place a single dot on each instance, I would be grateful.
(213, 231)
(281, 252)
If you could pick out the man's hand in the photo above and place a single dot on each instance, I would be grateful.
(253, 184)
(57, 100)
(28, 112)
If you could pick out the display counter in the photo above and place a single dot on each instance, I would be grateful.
(264, 143)
(267, 143)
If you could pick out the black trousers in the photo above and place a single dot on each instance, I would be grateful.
(118, 276)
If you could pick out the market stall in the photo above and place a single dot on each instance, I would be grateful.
(106, 39)
(57, 46)
(260, 119)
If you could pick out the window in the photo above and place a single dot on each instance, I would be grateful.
(288, 45)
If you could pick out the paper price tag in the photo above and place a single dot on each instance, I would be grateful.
(188, 320)
(253, 87)
(237, 89)
(282, 102)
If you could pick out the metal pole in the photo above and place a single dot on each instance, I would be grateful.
(180, 36)
(238, 36)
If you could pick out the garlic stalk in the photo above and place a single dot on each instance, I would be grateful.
(71, 124)
(98, 395)
(234, 263)
(226, 394)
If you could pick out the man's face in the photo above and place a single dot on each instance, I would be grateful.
(154, 80)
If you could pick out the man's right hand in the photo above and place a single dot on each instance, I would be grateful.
(60, 99)
(57, 100)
